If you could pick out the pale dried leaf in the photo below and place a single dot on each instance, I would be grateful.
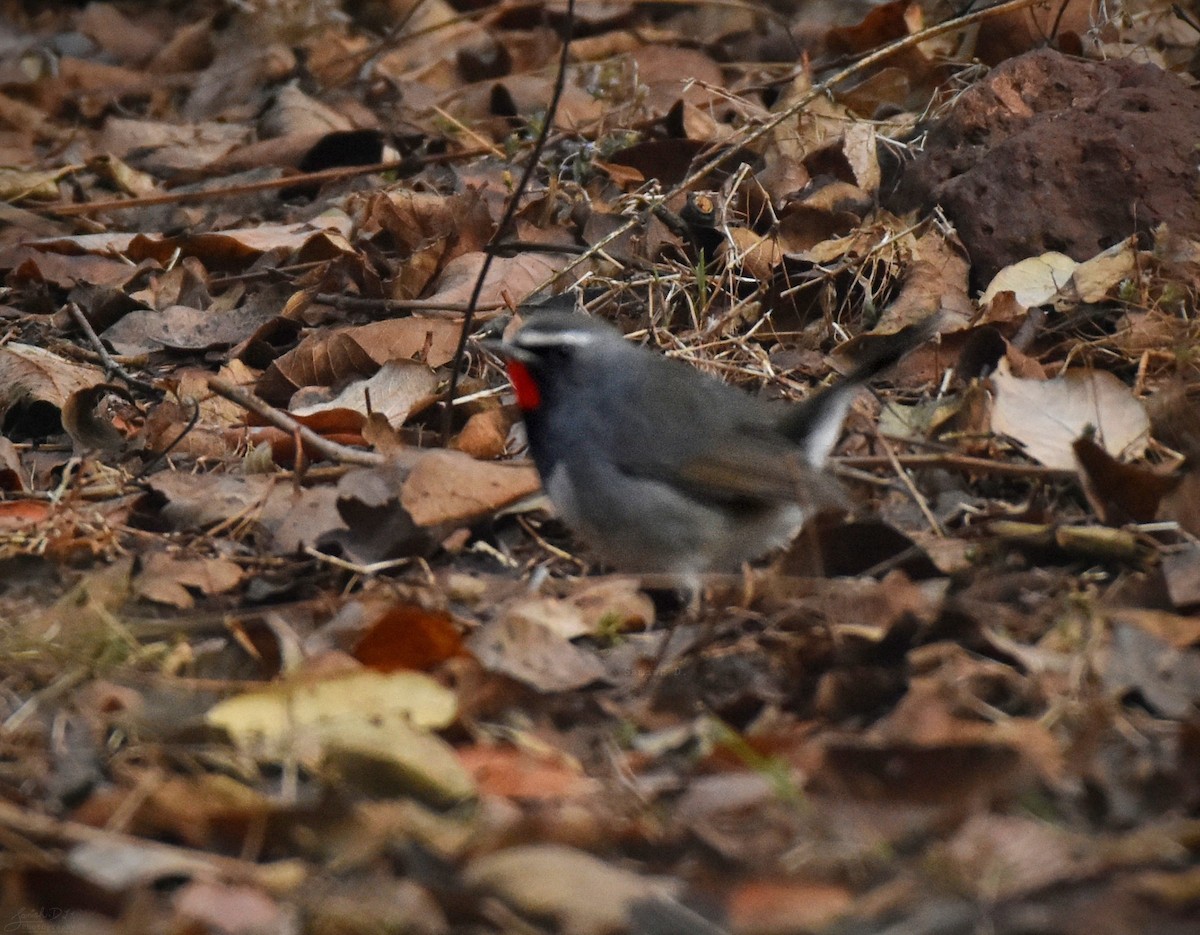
(396, 757)
(1094, 279)
(315, 713)
(400, 389)
(1046, 416)
(562, 883)
(1034, 281)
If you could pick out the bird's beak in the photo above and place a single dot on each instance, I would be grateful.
(504, 350)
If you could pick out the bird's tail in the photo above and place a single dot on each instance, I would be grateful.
(816, 423)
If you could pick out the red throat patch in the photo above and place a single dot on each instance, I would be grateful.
(528, 396)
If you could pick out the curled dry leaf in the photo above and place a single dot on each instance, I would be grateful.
(325, 359)
(82, 420)
(30, 376)
(1046, 416)
(11, 472)
(485, 436)
(859, 148)
(397, 758)
(31, 184)
(294, 112)
(1094, 279)
(756, 255)
(399, 390)
(1120, 493)
(417, 220)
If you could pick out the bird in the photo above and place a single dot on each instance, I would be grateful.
(661, 468)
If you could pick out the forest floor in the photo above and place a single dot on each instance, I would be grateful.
(287, 644)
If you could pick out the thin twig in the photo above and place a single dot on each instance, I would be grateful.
(510, 211)
(366, 571)
(281, 420)
(111, 367)
(46, 828)
(917, 496)
(211, 194)
(964, 463)
(430, 307)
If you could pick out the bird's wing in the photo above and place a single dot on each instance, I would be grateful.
(761, 467)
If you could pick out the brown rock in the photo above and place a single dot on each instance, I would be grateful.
(1054, 153)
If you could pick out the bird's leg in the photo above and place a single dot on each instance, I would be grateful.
(690, 588)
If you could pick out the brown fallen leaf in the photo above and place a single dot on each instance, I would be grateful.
(485, 434)
(1175, 630)
(234, 909)
(416, 220)
(182, 328)
(763, 906)
(1005, 856)
(1139, 663)
(328, 358)
(531, 653)
(1120, 493)
(516, 773)
(167, 579)
(451, 487)
(407, 636)
(510, 279)
(935, 282)
(375, 525)
(1181, 569)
